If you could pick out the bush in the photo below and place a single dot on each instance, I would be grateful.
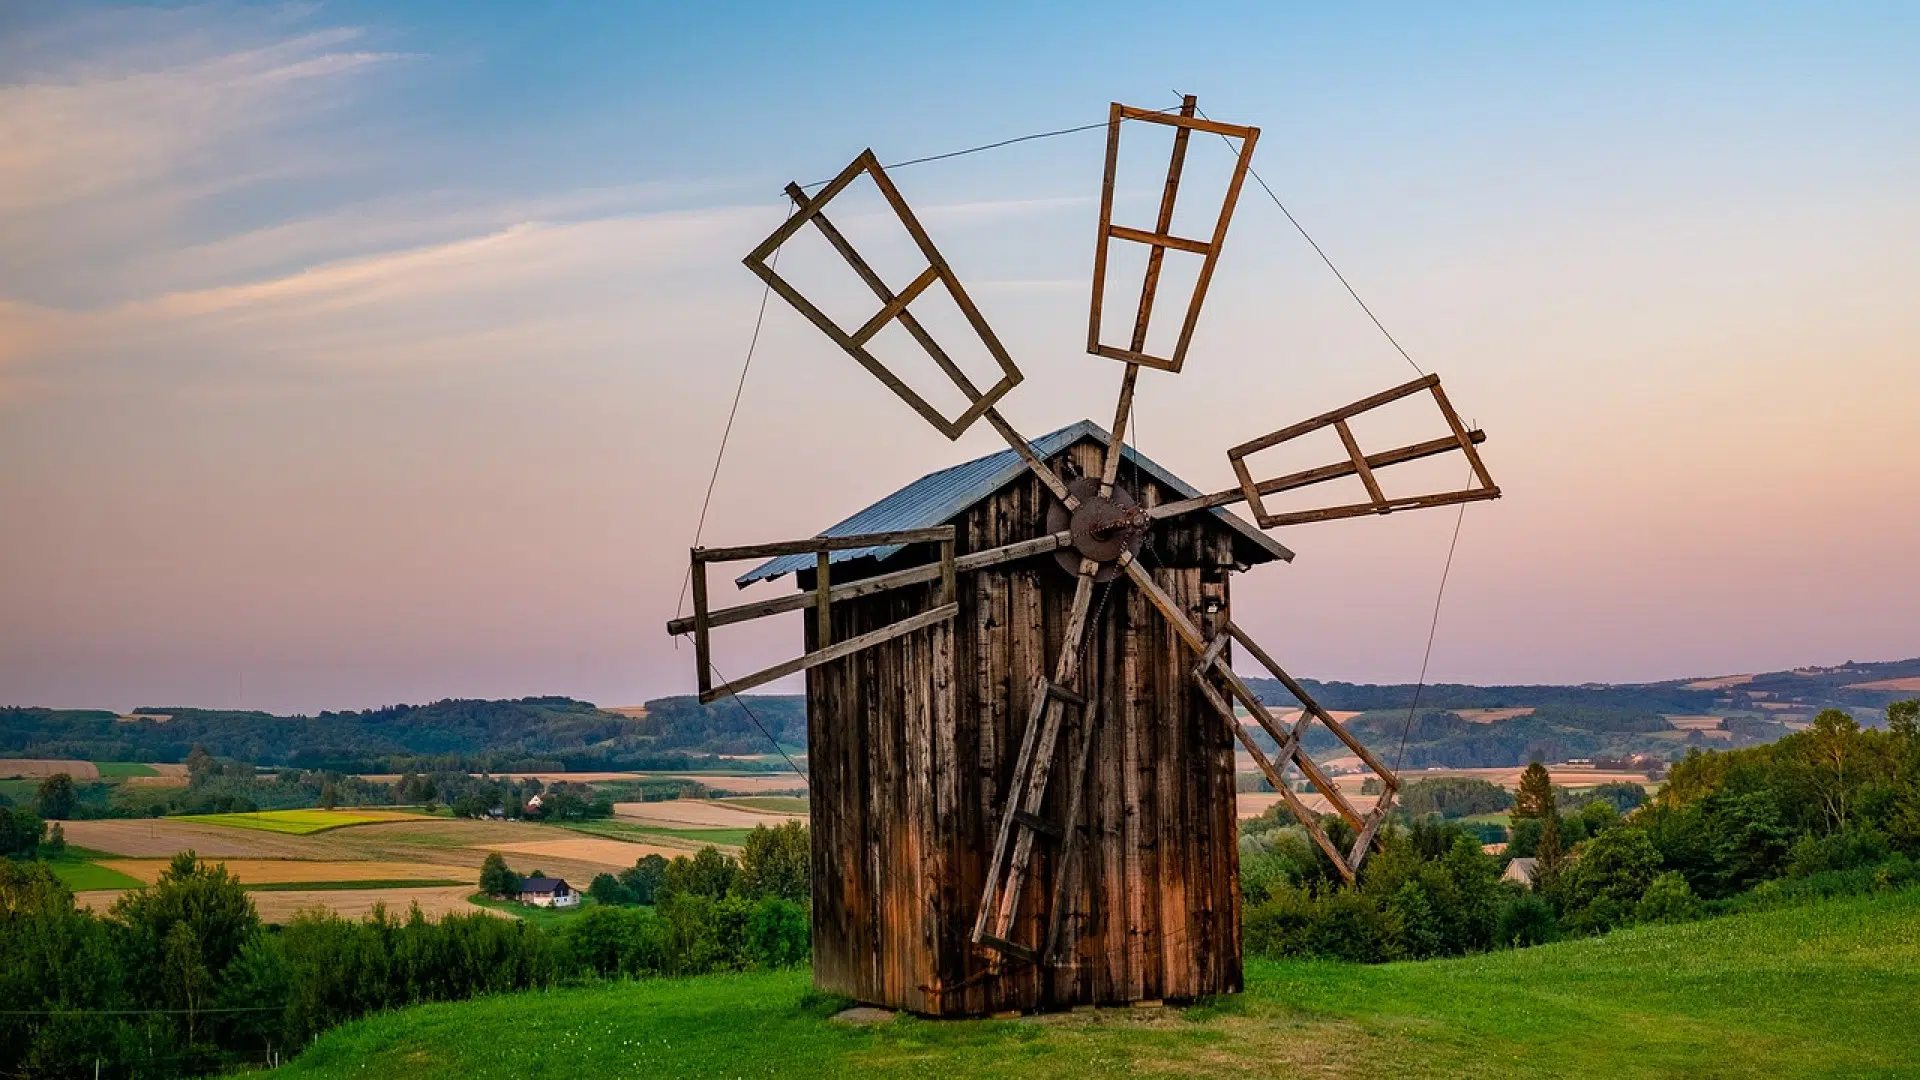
(1528, 920)
(775, 862)
(1668, 899)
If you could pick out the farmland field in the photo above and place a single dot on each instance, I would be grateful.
(34, 768)
(639, 833)
(124, 769)
(700, 814)
(1821, 991)
(298, 871)
(79, 869)
(296, 822)
(779, 804)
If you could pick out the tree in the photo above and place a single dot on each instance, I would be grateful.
(606, 889)
(1827, 757)
(645, 877)
(1535, 799)
(776, 862)
(56, 842)
(708, 873)
(495, 878)
(20, 831)
(329, 796)
(1668, 899)
(1605, 886)
(56, 797)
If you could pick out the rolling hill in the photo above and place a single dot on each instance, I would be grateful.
(1821, 991)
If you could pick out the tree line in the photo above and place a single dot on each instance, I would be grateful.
(1834, 809)
(181, 978)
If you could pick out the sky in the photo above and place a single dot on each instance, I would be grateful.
(357, 353)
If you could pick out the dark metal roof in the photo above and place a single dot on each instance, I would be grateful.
(542, 885)
(938, 498)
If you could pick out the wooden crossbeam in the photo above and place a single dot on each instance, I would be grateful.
(962, 564)
(822, 596)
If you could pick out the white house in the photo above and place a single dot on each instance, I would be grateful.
(548, 892)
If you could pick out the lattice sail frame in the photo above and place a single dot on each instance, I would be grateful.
(893, 305)
(1021, 821)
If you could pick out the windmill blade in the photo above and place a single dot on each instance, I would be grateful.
(893, 306)
(1215, 671)
(1366, 466)
(1020, 820)
(1161, 238)
(896, 308)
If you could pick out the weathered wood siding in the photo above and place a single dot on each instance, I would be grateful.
(912, 744)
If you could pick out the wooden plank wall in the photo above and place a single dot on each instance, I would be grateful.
(911, 747)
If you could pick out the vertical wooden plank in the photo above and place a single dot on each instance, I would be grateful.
(1106, 223)
(702, 650)
(823, 601)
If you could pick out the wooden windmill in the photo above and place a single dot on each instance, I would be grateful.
(1021, 706)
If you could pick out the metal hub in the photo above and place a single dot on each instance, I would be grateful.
(1103, 528)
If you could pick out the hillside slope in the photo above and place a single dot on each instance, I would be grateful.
(1830, 990)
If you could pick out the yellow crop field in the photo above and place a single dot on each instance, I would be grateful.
(296, 822)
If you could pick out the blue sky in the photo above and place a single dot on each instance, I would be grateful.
(362, 352)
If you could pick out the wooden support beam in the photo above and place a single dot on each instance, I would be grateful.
(1159, 241)
(1311, 707)
(823, 600)
(1344, 412)
(949, 585)
(832, 652)
(702, 646)
(824, 543)
(896, 306)
(1359, 462)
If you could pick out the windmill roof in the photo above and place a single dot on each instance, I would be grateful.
(939, 497)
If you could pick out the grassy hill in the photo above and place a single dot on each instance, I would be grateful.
(1828, 990)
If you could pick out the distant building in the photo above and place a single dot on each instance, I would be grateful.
(1521, 872)
(548, 892)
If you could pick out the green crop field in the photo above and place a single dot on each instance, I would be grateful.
(779, 804)
(628, 830)
(120, 769)
(372, 883)
(1825, 990)
(77, 871)
(293, 822)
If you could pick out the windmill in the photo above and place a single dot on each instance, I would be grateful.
(950, 634)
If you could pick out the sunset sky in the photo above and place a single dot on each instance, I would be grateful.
(354, 353)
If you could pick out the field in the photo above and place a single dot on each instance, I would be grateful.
(34, 768)
(779, 804)
(700, 814)
(296, 822)
(396, 860)
(1909, 685)
(80, 870)
(638, 833)
(1825, 991)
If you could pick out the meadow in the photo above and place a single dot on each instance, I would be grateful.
(1820, 991)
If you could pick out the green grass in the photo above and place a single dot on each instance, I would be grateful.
(628, 830)
(291, 822)
(1821, 991)
(546, 918)
(77, 871)
(375, 883)
(779, 804)
(110, 770)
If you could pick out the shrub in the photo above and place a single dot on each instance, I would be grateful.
(1527, 920)
(1668, 899)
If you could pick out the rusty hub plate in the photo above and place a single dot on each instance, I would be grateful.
(1102, 528)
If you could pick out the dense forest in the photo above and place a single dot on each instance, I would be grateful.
(524, 735)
